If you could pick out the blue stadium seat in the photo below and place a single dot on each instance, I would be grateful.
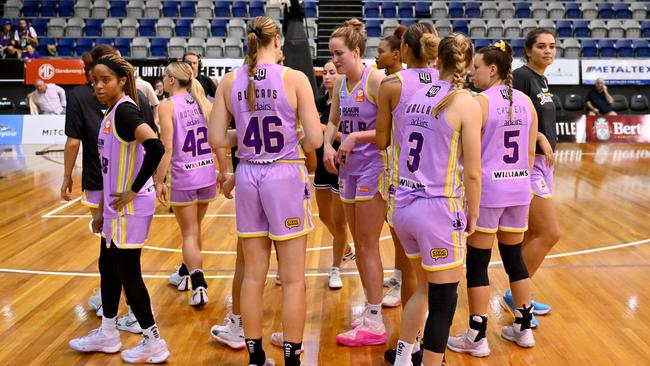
(422, 9)
(31, 8)
(256, 8)
(93, 27)
(572, 10)
(456, 10)
(564, 28)
(159, 47)
(589, 48)
(123, 45)
(407, 22)
(222, 9)
(388, 9)
(188, 9)
(65, 47)
(371, 10)
(40, 25)
(518, 47)
(480, 43)
(581, 29)
(43, 42)
(373, 27)
(239, 9)
(183, 27)
(461, 26)
(48, 8)
(641, 48)
(522, 10)
(218, 27)
(147, 27)
(606, 48)
(107, 41)
(118, 8)
(645, 29)
(621, 11)
(605, 11)
(624, 48)
(311, 8)
(83, 45)
(473, 10)
(170, 8)
(66, 8)
(405, 10)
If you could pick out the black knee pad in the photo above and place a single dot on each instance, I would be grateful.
(477, 266)
(513, 261)
(442, 306)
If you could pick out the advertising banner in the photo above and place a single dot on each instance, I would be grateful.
(57, 71)
(43, 129)
(571, 128)
(11, 129)
(218, 67)
(621, 128)
(616, 71)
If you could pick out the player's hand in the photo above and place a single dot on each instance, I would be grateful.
(345, 150)
(66, 188)
(548, 151)
(471, 223)
(221, 179)
(228, 186)
(97, 224)
(161, 194)
(330, 158)
(122, 199)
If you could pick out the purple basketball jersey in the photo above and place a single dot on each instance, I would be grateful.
(269, 133)
(358, 113)
(192, 164)
(121, 161)
(504, 149)
(430, 150)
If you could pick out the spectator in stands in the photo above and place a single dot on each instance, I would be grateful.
(48, 98)
(7, 41)
(145, 88)
(599, 101)
(25, 35)
(208, 84)
(160, 89)
(29, 53)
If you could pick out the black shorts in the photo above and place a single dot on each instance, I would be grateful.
(322, 178)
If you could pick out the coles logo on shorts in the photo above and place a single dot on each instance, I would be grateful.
(292, 222)
(107, 128)
(360, 95)
(439, 253)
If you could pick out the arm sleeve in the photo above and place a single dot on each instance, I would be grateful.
(128, 117)
(73, 120)
(153, 152)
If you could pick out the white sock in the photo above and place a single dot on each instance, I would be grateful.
(109, 325)
(374, 313)
(195, 271)
(403, 353)
(151, 333)
(416, 346)
(397, 275)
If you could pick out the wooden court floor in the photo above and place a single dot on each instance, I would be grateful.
(597, 278)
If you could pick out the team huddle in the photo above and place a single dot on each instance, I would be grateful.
(449, 170)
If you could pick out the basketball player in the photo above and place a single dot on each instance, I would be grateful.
(543, 226)
(440, 124)
(419, 45)
(361, 163)
(130, 152)
(508, 153)
(83, 117)
(326, 185)
(273, 191)
(192, 179)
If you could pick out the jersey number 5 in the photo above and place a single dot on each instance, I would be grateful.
(510, 142)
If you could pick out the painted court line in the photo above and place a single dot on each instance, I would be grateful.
(65, 205)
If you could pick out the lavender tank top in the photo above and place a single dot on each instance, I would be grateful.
(192, 164)
(121, 161)
(504, 149)
(269, 133)
(358, 113)
(430, 150)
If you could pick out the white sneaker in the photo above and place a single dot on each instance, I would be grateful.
(231, 334)
(199, 296)
(182, 283)
(148, 351)
(277, 339)
(97, 341)
(389, 282)
(268, 362)
(463, 344)
(95, 302)
(393, 297)
(129, 323)
(349, 256)
(335, 282)
(522, 339)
